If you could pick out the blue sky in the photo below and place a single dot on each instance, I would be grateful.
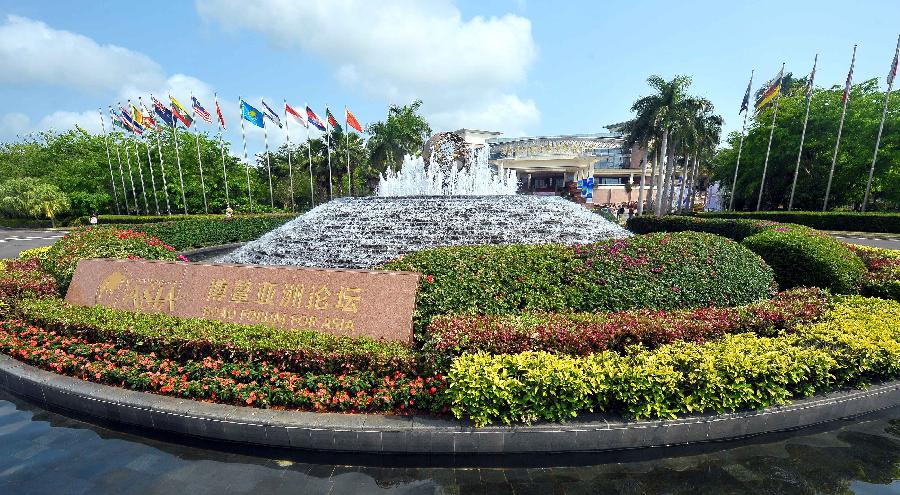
(522, 67)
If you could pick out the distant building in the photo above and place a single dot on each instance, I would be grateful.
(547, 164)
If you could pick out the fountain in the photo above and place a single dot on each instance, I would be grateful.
(430, 202)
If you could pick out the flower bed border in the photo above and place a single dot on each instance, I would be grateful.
(346, 433)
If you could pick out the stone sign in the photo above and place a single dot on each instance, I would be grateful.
(377, 304)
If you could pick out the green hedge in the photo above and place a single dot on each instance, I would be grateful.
(189, 338)
(829, 220)
(856, 343)
(803, 259)
(145, 219)
(736, 229)
(30, 223)
(661, 271)
(213, 230)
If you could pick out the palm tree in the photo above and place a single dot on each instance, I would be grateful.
(664, 109)
(402, 133)
(640, 131)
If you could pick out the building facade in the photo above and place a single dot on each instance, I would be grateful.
(550, 164)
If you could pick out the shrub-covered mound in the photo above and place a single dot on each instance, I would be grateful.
(145, 219)
(23, 279)
(828, 220)
(657, 271)
(808, 259)
(213, 230)
(580, 334)
(800, 256)
(883, 276)
(857, 342)
(101, 242)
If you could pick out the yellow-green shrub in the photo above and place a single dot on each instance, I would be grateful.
(857, 342)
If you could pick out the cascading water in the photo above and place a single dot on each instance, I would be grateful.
(415, 179)
(421, 207)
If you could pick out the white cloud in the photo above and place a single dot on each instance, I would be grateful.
(405, 49)
(32, 52)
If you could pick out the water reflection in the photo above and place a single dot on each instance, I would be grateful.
(42, 452)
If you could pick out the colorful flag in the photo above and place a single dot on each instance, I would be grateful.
(270, 114)
(745, 104)
(351, 121)
(251, 114)
(129, 122)
(136, 115)
(893, 72)
(199, 110)
(331, 120)
(219, 113)
(149, 122)
(771, 92)
(314, 119)
(180, 112)
(116, 120)
(293, 113)
(849, 82)
(811, 81)
(164, 112)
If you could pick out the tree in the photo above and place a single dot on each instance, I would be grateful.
(29, 197)
(854, 156)
(402, 133)
(665, 108)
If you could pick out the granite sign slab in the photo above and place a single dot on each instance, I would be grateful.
(373, 303)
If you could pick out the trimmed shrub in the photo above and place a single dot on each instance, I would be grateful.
(581, 334)
(22, 279)
(658, 271)
(34, 253)
(855, 343)
(182, 338)
(808, 259)
(213, 231)
(737, 229)
(101, 242)
(230, 381)
(829, 220)
(883, 276)
(84, 221)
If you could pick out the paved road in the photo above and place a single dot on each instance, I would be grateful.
(886, 241)
(12, 241)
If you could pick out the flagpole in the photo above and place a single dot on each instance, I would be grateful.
(740, 148)
(762, 182)
(812, 78)
(130, 173)
(837, 143)
(149, 160)
(246, 160)
(312, 190)
(162, 166)
(222, 149)
(347, 130)
(328, 149)
(178, 156)
(884, 110)
(199, 160)
(268, 160)
(137, 158)
(112, 177)
(119, 161)
(287, 137)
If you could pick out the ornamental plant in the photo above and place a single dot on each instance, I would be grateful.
(102, 242)
(657, 271)
(24, 279)
(581, 334)
(807, 258)
(882, 277)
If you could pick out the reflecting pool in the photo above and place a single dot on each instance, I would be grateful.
(43, 452)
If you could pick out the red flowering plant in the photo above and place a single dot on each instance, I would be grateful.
(24, 278)
(102, 242)
(586, 333)
(882, 278)
(247, 383)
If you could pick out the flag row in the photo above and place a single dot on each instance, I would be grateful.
(138, 118)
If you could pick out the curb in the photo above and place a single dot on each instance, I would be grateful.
(377, 434)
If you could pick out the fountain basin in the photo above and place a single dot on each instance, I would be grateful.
(367, 232)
